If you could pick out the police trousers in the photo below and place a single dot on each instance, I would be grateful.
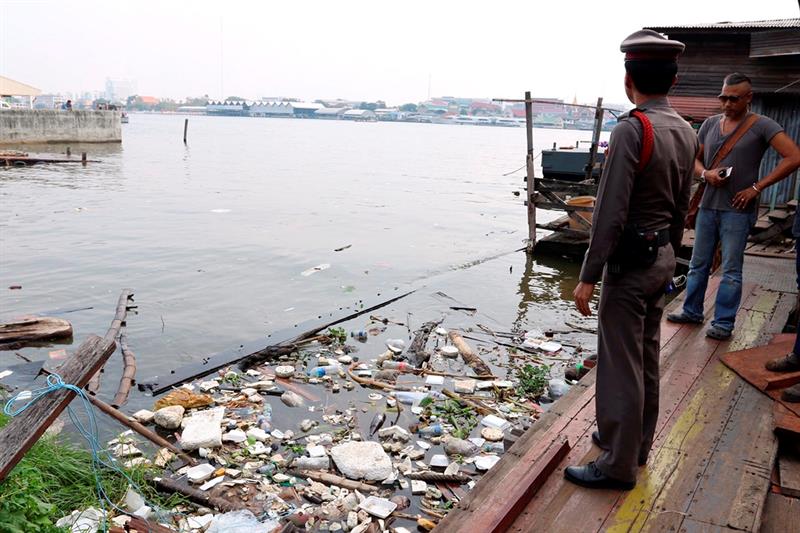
(629, 316)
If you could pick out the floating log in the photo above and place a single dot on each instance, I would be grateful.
(128, 372)
(35, 329)
(170, 486)
(26, 428)
(331, 479)
(469, 403)
(469, 357)
(112, 333)
(417, 348)
(208, 365)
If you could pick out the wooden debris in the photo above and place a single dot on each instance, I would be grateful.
(417, 349)
(469, 357)
(436, 477)
(35, 329)
(168, 485)
(24, 430)
(325, 477)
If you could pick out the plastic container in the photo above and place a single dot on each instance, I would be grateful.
(327, 370)
(581, 201)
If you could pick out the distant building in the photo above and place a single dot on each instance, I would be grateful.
(330, 113)
(483, 108)
(49, 101)
(362, 115)
(11, 88)
(118, 90)
(227, 109)
(284, 109)
(388, 114)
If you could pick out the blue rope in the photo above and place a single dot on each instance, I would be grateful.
(101, 458)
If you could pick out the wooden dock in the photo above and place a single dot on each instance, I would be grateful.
(715, 450)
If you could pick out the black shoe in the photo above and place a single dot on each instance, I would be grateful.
(591, 477)
(596, 440)
(792, 394)
(683, 318)
(787, 363)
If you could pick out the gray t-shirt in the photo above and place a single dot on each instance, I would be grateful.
(745, 158)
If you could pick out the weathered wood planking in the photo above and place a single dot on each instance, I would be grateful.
(789, 468)
(35, 329)
(24, 430)
(781, 515)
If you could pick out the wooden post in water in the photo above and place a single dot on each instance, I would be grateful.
(530, 194)
(69, 152)
(185, 128)
(83, 158)
(598, 125)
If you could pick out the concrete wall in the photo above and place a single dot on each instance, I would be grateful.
(51, 126)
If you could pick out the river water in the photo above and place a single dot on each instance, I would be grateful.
(213, 236)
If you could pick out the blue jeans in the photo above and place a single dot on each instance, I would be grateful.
(730, 229)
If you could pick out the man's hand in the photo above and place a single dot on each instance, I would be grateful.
(743, 198)
(712, 177)
(582, 294)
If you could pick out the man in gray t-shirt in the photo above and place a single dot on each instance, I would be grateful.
(729, 206)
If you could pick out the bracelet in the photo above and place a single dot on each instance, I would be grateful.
(756, 188)
(703, 175)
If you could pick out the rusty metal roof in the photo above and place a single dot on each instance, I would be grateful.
(748, 25)
(695, 108)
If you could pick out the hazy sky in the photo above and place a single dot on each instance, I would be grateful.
(342, 49)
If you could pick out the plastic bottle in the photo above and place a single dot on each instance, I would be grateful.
(434, 430)
(397, 365)
(359, 335)
(327, 370)
(265, 418)
(410, 398)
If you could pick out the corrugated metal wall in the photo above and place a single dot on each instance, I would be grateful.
(785, 110)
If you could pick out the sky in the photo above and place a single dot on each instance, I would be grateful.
(361, 50)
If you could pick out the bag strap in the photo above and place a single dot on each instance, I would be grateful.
(731, 141)
(648, 139)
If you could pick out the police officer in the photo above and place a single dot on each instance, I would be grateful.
(637, 226)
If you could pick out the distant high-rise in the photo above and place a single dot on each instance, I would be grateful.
(118, 90)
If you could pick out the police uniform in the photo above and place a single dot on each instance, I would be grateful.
(635, 206)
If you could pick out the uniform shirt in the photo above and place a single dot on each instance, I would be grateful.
(658, 198)
(745, 158)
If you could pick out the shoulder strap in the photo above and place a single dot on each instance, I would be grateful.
(648, 139)
(731, 141)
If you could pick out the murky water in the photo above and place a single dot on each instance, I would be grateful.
(214, 236)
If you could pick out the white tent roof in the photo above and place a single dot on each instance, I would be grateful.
(9, 87)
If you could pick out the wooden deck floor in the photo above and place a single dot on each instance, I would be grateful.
(710, 466)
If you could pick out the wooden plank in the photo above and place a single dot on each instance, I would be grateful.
(778, 215)
(780, 515)
(789, 468)
(785, 420)
(749, 364)
(25, 429)
(693, 526)
(35, 329)
(514, 497)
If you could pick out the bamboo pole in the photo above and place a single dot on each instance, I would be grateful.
(198, 496)
(128, 372)
(140, 429)
(112, 334)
